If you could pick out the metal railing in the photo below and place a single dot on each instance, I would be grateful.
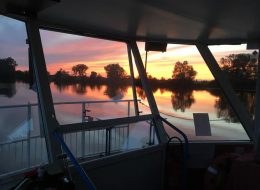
(21, 154)
(83, 103)
(31, 151)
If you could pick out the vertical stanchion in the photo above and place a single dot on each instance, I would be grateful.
(150, 134)
(107, 136)
(29, 112)
(128, 135)
(83, 132)
(128, 108)
(108, 141)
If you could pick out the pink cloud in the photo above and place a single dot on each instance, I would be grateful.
(84, 50)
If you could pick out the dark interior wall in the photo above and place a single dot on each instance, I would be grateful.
(141, 169)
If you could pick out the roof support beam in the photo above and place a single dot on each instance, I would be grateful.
(150, 98)
(50, 123)
(226, 87)
(257, 112)
(132, 79)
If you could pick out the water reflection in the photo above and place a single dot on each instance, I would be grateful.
(140, 92)
(186, 101)
(225, 111)
(249, 100)
(115, 92)
(112, 91)
(61, 87)
(182, 99)
(8, 89)
(95, 87)
(80, 89)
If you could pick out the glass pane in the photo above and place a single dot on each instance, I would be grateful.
(240, 67)
(113, 140)
(22, 144)
(180, 92)
(89, 77)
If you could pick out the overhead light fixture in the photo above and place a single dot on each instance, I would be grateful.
(155, 46)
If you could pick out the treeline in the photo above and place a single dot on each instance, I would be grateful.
(64, 77)
(241, 70)
(176, 84)
(116, 75)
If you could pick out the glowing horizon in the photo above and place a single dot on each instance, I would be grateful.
(159, 64)
(97, 53)
(66, 50)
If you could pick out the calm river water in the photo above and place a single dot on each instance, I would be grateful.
(22, 146)
(177, 106)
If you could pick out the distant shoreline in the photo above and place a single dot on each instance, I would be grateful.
(184, 84)
(167, 86)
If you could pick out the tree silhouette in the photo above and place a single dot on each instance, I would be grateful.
(7, 69)
(115, 73)
(240, 66)
(79, 70)
(183, 71)
(93, 75)
(61, 76)
(22, 76)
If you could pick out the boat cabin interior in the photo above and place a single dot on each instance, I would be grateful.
(166, 161)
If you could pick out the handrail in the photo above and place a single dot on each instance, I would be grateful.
(177, 130)
(103, 124)
(17, 141)
(37, 147)
(75, 102)
(185, 149)
(186, 145)
(38, 136)
(103, 148)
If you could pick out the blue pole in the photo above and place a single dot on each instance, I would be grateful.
(80, 170)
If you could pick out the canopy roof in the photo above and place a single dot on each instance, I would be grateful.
(177, 21)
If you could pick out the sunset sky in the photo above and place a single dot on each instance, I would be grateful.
(64, 51)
